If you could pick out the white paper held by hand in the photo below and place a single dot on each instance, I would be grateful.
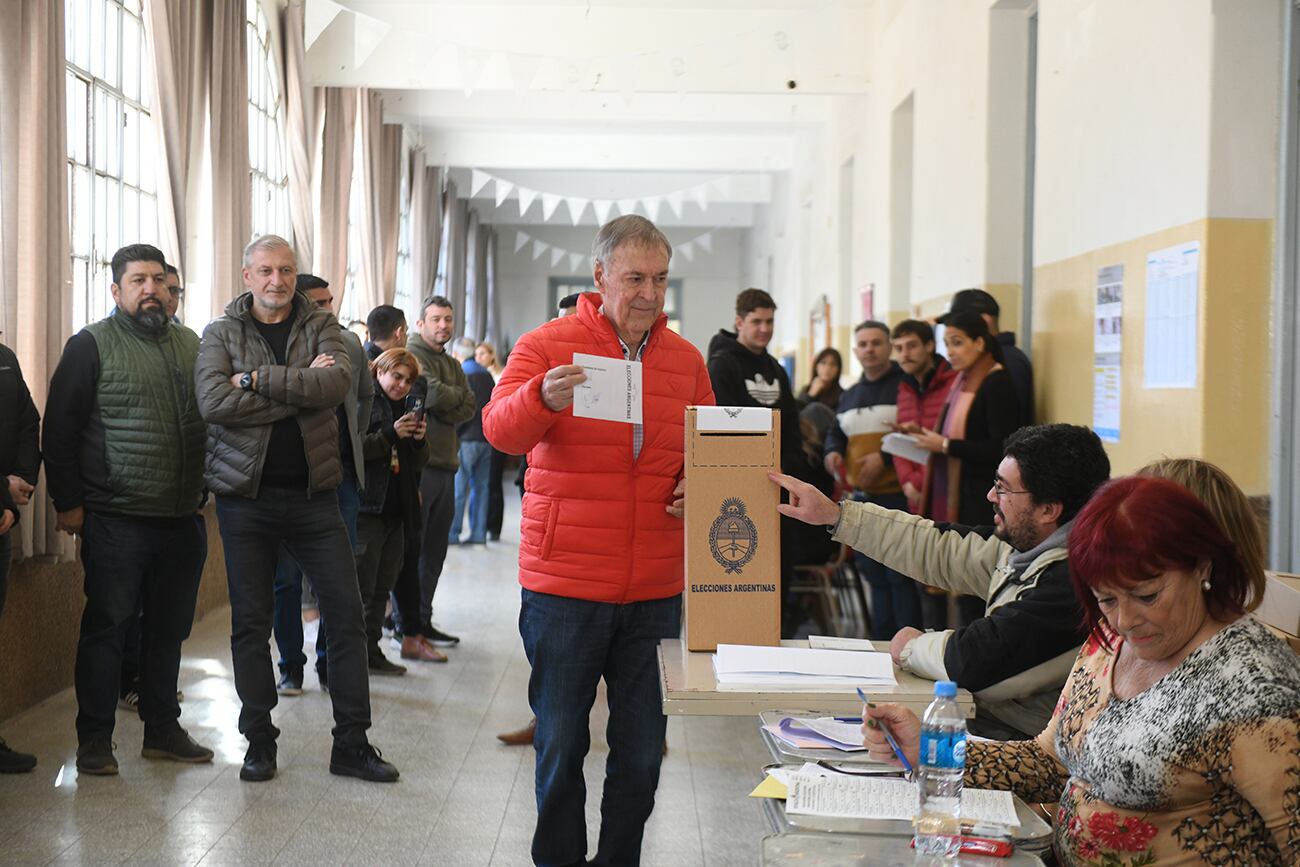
(612, 391)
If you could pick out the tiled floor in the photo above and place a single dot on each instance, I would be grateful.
(464, 799)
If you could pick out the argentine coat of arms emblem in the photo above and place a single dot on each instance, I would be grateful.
(733, 538)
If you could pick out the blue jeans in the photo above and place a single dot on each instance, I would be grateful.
(895, 598)
(288, 587)
(134, 563)
(252, 531)
(571, 644)
(472, 487)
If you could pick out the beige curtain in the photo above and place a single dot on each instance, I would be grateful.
(336, 114)
(300, 131)
(492, 330)
(458, 217)
(426, 229)
(178, 38)
(381, 180)
(35, 272)
(228, 141)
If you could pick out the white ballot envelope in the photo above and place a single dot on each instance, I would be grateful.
(612, 391)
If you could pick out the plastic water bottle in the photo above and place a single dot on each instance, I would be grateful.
(943, 761)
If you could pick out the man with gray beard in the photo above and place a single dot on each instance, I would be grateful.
(124, 463)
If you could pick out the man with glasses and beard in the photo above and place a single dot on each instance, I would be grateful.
(124, 462)
(1016, 657)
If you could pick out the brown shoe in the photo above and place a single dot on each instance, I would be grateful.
(415, 648)
(522, 737)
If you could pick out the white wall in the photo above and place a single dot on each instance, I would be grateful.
(709, 283)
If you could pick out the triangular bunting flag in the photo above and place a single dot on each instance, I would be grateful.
(575, 261)
(627, 206)
(521, 238)
(576, 207)
(722, 185)
(700, 193)
(550, 202)
(556, 255)
(539, 247)
(318, 15)
(523, 68)
(472, 61)
(503, 191)
(687, 250)
(477, 181)
(675, 202)
(706, 242)
(367, 33)
(601, 207)
(526, 197)
(651, 205)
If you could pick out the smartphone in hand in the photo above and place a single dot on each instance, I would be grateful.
(415, 405)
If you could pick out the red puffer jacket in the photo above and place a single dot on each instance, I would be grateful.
(924, 409)
(594, 522)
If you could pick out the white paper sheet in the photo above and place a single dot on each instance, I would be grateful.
(904, 446)
(797, 667)
(612, 391)
(883, 798)
(1171, 329)
(849, 735)
(736, 419)
(834, 642)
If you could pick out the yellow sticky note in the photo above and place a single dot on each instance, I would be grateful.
(771, 787)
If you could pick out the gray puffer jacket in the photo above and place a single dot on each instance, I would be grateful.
(239, 422)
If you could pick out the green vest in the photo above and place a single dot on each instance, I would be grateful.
(153, 433)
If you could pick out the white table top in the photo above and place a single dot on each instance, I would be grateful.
(688, 686)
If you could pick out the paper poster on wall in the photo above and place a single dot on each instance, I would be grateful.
(1108, 332)
(1171, 330)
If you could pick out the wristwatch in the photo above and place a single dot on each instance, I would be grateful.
(246, 381)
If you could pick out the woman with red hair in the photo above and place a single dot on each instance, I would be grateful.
(1177, 737)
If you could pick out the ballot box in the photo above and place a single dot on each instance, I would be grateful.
(733, 534)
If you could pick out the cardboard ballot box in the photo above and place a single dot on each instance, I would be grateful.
(733, 537)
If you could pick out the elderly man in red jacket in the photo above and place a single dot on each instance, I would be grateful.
(600, 556)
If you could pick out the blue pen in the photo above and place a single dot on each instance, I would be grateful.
(889, 736)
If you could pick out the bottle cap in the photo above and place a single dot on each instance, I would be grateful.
(945, 689)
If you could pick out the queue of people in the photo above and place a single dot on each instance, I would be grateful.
(1103, 625)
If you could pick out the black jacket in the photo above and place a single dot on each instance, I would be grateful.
(20, 426)
(744, 378)
(994, 415)
(377, 449)
(1022, 374)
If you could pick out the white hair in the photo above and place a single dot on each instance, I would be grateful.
(629, 228)
(267, 242)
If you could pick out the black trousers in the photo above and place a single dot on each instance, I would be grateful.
(496, 496)
(426, 552)
(131, 564)
(312, 531)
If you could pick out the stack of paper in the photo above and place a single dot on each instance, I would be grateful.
(823, 733)
(883, 798)
(904, 446)
(795, 669)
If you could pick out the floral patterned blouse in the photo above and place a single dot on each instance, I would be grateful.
(1203, 767)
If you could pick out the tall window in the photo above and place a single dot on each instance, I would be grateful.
(112, 199)
(268, 171)
(402, 297)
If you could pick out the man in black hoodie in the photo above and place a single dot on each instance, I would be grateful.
(744, 373)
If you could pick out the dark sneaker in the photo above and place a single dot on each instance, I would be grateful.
(383, 667)
(129, 700)
(290, 682)
(95, 757)
(437, 636)
(259, 762)
(363, 762)
(14, 762)
(177, 746)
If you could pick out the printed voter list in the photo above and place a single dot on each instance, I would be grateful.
(612, 391)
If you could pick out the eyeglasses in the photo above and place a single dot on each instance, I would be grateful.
(1002, 490)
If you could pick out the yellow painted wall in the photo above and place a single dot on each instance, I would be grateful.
(1225, 418)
